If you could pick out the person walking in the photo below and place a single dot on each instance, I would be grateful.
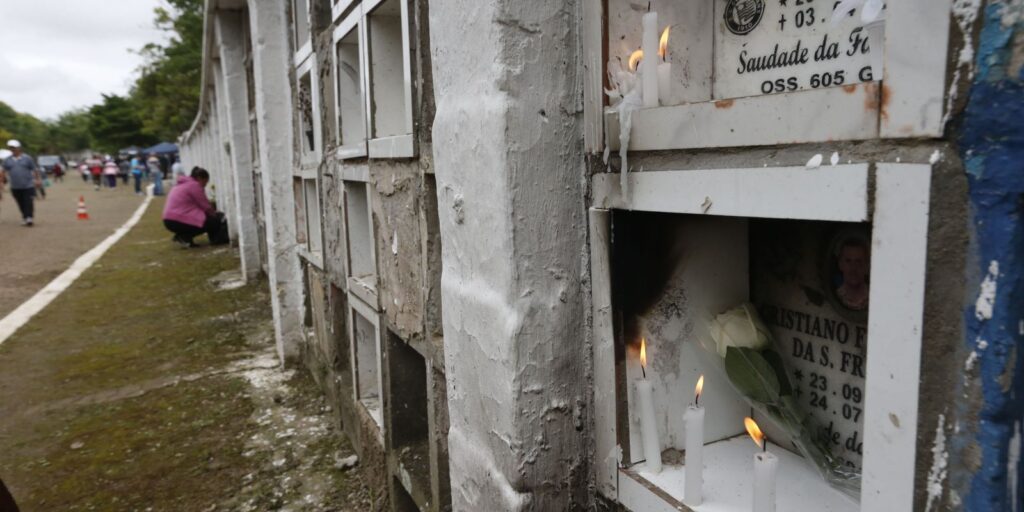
(21, 172)
(84, 171)
(153, 163)
(96, 171)
(110, 171)
(137, 172)
(123, 170)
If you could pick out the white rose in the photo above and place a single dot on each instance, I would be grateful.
(739, 327)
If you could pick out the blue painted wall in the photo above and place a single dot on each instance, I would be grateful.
(992, 146)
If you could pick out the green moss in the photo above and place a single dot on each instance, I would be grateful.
(146, 304)
(91, 417)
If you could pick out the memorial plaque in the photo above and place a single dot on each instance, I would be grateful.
(774, 46)
(810, 283)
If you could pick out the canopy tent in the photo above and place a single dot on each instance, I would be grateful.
(164, 148)
(130, 150)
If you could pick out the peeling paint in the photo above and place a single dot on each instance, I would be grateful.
(971, 360)
(940, 461)
(965, 13)
(1011, 12)
(991, 146)
(987, 297)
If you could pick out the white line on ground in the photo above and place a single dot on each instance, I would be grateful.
(31, 307)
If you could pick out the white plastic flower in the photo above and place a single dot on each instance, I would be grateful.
(739, 327)
(869, 10)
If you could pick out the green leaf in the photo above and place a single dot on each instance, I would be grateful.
(752, 375)
(775, 360)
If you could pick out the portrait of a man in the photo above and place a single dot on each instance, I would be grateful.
(852, 266)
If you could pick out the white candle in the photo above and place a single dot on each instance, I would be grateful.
(665, 83)
(694, 420)
(649, 66)
(766, 466)
(648, 425)
(664, 71)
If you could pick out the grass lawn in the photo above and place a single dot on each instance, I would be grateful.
(134, 391)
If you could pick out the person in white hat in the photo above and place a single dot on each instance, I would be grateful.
(21, 172)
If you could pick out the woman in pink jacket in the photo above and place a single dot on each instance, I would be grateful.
(188, 213)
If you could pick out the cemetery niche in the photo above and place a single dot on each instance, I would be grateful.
(730, 302)
(731, 73)
(687, 51)
(770, 317)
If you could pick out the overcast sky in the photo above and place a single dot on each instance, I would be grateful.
(56, 55)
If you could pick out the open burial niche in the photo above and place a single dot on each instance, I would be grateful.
(678, 280)
(365, 336)
(735, 348)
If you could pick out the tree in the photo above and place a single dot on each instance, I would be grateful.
(168, 89)
(33, 133)
(115, 124)
(161, 105)
(70, 132)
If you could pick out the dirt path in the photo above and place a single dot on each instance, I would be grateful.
(149, 385)
(34, 256)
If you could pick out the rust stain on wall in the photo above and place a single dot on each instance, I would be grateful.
(886, 99)
(875, 100)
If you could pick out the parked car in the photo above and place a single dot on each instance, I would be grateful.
(46, 162)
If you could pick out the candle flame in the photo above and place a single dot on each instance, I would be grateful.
(634, 59)
(754, 431)
(699, 388)
(643, 352)
(663, 47)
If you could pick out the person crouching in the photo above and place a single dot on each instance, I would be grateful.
(188, 212)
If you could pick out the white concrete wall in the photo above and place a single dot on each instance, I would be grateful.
(224, 168)
(230, 35)
(508, 152)
(220, 142)
(272, 61)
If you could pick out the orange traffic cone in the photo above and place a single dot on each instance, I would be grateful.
(82, 213)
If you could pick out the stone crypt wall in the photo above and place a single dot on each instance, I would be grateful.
(399, 211)
(461, 263)
(964, 449)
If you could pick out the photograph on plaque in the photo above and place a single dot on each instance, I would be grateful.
(846, 273)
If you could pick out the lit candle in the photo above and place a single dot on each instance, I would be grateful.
(664, 71)
(694, 420)
(766, 466)
(648, 422)
(649, 66)
(634, 60)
